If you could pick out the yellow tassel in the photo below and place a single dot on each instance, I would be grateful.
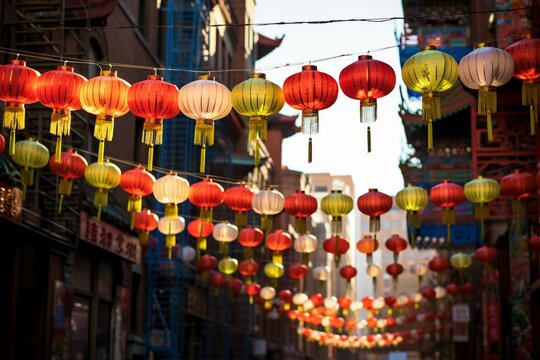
(58, 150)
(170, 240)
(171, 210)
(14, 116)
(203, 159)
(60, 204)
(530, 95)
(150, 157)
(201, 244)
(12, 142)
(336, 260)
(412, 219)
(448, 216)
(206, 214)
(101, 197)
(257, 128)
(248, 253)
(134, 203)
(489, 127)
(65, 187)
(431, 106)
(101, 152)
(104, 128)
(60, 122)
(430, 134)
(27, 179)
(143, 238)
(223, 248)
(204, 132)
(277, 257)
(240, 219)
(266, 223)
(152, 132)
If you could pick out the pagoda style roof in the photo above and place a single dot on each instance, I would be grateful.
(266, 45)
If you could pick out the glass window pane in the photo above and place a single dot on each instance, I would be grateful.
(103, 331)
(81, 273)
(79, 328)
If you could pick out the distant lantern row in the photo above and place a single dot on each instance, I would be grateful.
(107, 96)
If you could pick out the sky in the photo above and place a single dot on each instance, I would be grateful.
(340, 148)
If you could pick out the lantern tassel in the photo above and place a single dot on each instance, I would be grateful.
(448, 215)
(530, 95)
(489, 127)
(266, 223)
(413, 220)
(374, 223)
(12, 142)
(13, 120)
(487, 104)
(300, 225)
(64, 188)
(203, 158)
(60, 126)
(223, 248)
(430, 134)
(368, 139)
(104, 128)
(101, 199)
(305, 259)
(143, 238)
(134, 203)
(206, 215)
(337, 258)
(368, 111)
(27, 179)
(58, 150)
(60, 201)
(240, 219)
(310, 126)
(152, 133)
(150, 157)
(277, 257)
(431, 106)
(310, 150)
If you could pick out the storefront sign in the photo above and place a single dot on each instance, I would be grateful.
(10, 202)
(106, 236)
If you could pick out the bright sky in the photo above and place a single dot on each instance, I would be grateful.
(340, 148)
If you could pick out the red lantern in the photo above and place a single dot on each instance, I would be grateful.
(206, 194)
(252, 289)
(70, 167)
(336, 245)
(60, 90)
(200, 230)
(486, 254)
(285, 295)
(278, 241)
(390, 301)
(453, 289)
(310, 91)
(468, 288)
(154, 100)
(17, 88)
(300, 205)
(317, 299)
(368, 245)
(518, 185)
(2, 143)
(137, 182)
(347, 272)
(374, 203)
(367, 303)
(344, 303)
(438, 264)
(236, 285)
(367, 80)
(250, 237)
(396, 244)
(394, 270)
(239, 198)
(218, 279)
(526, 56)
(248, 268)
(145, 221)
(447, 195)
(297, 271)
(206, 263)
(534, 243)
(428, 293)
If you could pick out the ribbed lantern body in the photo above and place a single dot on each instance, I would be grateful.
(239, 199)
(447, 195)
(60, 90)
(336, 204)
(206, 194)
(70, 167)
(300, 205)
(412, 199)
(396, 244)
(278, 241)
(480, 192)
(267, 203)
(145, 221)
(310, 91)
(430, 72)
(137, 182)
(103, 176)
(29, 154)
(154, 100)
(374, 203)
(484, 69)
(205, 101)
(224, 233)
(367, 245)
(336, 245)
(257, 98)
(105, 96)
(17, 88)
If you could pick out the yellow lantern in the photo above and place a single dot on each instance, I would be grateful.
(336, 204)
(480, 191)
(484, 69)
(461, 262)
(103, 176)
(267, 203)
(224, 233)
(105, 96)
(205, 101)
(30, 155)
(274, 271)
(257, 98)
(412, 199)
(228, 266)
(430, 72)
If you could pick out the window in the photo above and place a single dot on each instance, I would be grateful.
(80, 325)
(394, 224)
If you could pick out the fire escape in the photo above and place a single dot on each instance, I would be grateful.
(29, 26)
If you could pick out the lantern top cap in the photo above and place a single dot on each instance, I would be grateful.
(373, 189)
(204, 77)
(108, 73)
(365, 57)
(64, 68)
(309, 67)
(480, 45)
(154, 77)
(428, 47)
(258, 75)
(336, 191)
(17, 62)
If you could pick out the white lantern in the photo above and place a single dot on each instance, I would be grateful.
(440, 292)
(224, 233)
(267, 203)
(299, 299)
(267, 293)
(331, 303)
(320, 273)
(171, 190)
(187, 253)
(305, 244)
(170, 227)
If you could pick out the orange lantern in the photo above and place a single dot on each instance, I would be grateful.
(137, 182)
(200, 230)
(206, 194)
(278, 241)
(60, 90)
(17, 88)
(368, 245)
(239, 199)
(106, 97)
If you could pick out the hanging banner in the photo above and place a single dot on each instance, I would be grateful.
(492, 315)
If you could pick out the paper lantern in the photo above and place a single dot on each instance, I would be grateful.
(200, 230)
(274, 271)
(205, 264)
(428, 293)
(336, 204)
(438, 265)
(154, 100)
(305, 244)
(218, 279)
(60, 90)
(336, 245)
(248, 268)
(447, 195)
(484, 69)
(453, 289)
(267, 203)
(206, 194)
(320, 273)
(187, 253)
(519, 186)
(228, 266)
(70, 167)
(396, 244)
(480, 192)
(367, 80)
(250, 237)
(297, 271)
(17, 88)
(468, 288)
(394, 270)
(224, 233)
(374, 203)
(170, 226)
(347, 272)
(420, 270)
(278, 241)
(103, 176)
(137, 182)
(205, 101)
(486, 254)
(29, 154)
(368, 245)
(252, 290)
(300, 205)
(526, 56)
(145, 221)
(236, 285)
(310, 91)
(461, 262)
(239, 199)
(412, 199)
(257, 98)
(430, 72)
(106, 97)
